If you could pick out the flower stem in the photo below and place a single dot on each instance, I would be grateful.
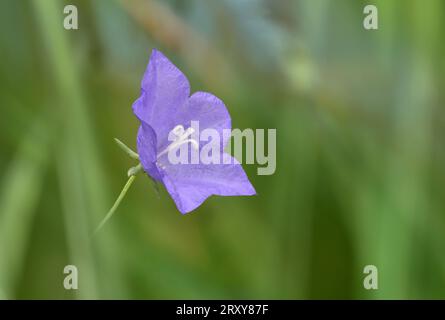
(134, 170)
(116, 203)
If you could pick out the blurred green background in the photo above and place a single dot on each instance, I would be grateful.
(360, 176)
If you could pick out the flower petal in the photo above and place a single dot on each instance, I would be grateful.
(189, 185)
(146, 145)
(164, 91)
(210, 112)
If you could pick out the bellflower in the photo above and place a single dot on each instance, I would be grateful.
(165, 107)
(167, 113)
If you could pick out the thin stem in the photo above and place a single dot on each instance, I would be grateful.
(116, 203)
(134, 170)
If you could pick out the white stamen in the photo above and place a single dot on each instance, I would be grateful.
(178, 130)
(180, 139)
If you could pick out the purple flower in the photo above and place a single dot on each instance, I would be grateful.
(165, 107)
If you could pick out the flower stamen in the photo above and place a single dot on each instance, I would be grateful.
(180, 137)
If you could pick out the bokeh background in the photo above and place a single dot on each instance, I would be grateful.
(360, 176)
